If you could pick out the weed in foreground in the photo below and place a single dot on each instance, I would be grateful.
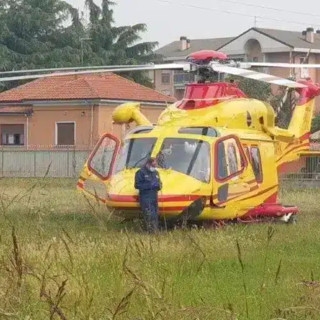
(64, 258)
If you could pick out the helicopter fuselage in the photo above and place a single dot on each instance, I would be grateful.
(218, 162)
(218, 155)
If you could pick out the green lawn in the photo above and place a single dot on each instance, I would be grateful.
(64, 258)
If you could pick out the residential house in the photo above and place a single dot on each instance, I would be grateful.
(255, 44)
(71, 110)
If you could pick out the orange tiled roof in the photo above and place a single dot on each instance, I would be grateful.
(78, 87)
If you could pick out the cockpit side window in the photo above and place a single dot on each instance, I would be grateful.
(135, 153)
(103, 156)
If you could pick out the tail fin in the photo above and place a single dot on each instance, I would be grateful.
(300, 125)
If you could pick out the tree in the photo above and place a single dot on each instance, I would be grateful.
(50, 33)
(33, 35)
(116, 45)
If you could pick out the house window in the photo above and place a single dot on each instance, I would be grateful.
(165, 78)
(12, 134)
(65, 133)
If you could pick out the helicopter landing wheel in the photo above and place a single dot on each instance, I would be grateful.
(289, 218)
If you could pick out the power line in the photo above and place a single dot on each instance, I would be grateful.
(270, 8)
(234, 13)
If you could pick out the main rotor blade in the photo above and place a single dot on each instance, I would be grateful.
(68, 69)
(248, 65)
(171, 66)
(257, 76)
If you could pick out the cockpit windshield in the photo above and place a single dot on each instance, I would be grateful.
(188, 156)
(135, 153)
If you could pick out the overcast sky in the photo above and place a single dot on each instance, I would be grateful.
(167, 20)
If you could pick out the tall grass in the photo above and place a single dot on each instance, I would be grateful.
(62, 257)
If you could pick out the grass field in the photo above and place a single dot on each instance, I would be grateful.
(64, 258)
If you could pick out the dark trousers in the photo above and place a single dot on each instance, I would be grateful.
(149, 207)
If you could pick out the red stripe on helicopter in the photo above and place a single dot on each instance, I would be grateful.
(297, 147)
(80, 185)
(305, 136)
(302, 139)
(161, 209)
(236, 195)
(161, 198)
(261, 192)
(287, 149)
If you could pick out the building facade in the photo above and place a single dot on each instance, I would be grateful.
(71, 110)
(254, 45)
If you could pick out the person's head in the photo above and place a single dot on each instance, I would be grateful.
(151, 164)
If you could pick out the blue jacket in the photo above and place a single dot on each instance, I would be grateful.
(146, 180)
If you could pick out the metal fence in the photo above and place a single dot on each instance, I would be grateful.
(62, 162)
(67, 161)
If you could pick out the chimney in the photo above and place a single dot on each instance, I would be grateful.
(310, 35)
(189, 43)
(183, 43)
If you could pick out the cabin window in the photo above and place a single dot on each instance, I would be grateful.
(230, 161)
(188, 156)
(256, 163)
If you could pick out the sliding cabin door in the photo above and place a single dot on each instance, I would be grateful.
(234, 178)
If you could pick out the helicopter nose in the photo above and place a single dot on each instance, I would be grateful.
(180, 194)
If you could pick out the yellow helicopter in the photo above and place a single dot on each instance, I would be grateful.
(219, 152)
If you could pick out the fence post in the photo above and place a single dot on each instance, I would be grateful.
(74, 163)
(34, 163)
(2, 161)
(68, 156)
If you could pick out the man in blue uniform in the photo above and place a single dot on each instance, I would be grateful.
(147, 181)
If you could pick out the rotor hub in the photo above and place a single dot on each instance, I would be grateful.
(204, 57)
